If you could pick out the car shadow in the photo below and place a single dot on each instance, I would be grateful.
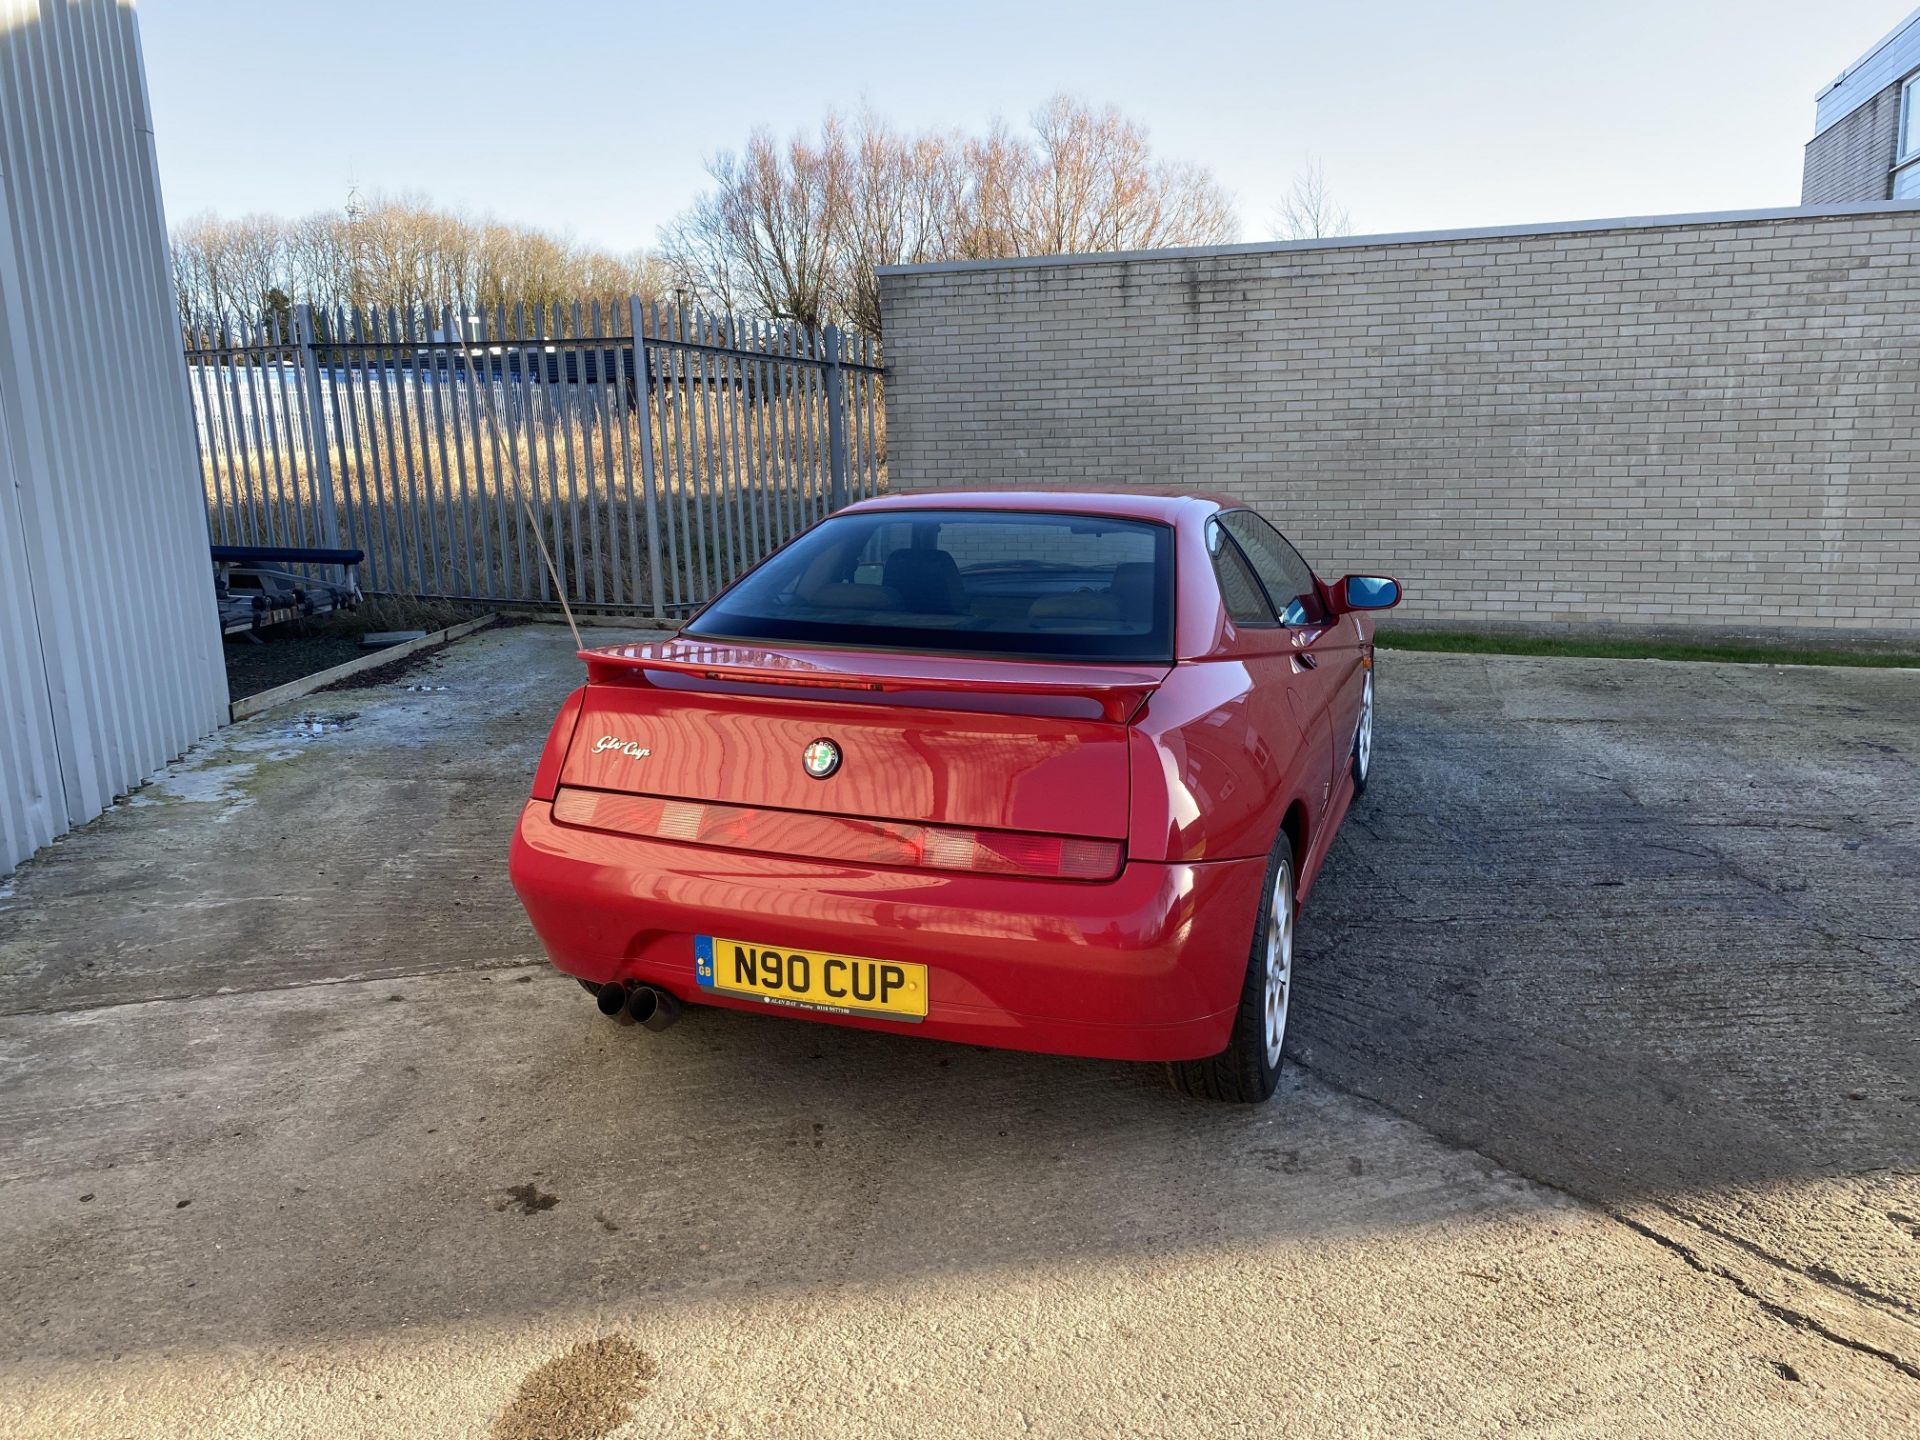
(1650, 933)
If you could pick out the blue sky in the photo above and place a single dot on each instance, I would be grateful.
(594, 117)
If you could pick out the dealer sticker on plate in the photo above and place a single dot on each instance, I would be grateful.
(810, 980)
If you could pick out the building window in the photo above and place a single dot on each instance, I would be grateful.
(1910, 118)
(1906, 172)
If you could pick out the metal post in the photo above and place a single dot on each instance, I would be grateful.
(314, 427)
(643, 422)
(836, 424)
(307, 347)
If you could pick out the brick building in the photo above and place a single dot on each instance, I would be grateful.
(1866, 141)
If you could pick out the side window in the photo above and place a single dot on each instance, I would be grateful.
(1246, 602)
(1288, 578)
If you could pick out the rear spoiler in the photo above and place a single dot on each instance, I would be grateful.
(1118, 691)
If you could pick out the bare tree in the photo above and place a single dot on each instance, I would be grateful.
(797, 231)
(229, 267)
(1309, 211)
(792, 230)
(699, 255)
(997, 167)
(1092, 184)
(404, 253)
(782, 210)
(321, 253)
(905, 196)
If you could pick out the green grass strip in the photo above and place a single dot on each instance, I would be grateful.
(1468, 643)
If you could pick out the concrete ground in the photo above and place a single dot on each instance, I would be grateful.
(1606, 1122)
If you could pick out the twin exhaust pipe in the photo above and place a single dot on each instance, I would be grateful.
(637, 1005)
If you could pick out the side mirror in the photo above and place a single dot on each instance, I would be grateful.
(1366, 592)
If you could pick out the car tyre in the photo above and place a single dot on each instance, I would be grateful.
(1363, 739)
(1247, 1071)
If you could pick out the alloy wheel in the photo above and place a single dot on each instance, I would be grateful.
(1279, 987)
(1363, 742)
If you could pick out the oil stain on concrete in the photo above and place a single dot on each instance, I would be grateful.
(528, 1199)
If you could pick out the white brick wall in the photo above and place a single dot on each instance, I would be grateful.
(1701, 423)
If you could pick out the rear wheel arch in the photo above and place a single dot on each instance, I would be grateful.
(1248, 1069)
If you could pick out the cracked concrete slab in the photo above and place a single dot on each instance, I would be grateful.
(300, 1139)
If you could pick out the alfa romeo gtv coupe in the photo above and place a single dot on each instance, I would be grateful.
(1046, 771)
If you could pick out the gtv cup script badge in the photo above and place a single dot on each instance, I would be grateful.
(632, 749)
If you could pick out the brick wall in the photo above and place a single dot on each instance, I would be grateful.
(1684, 423)
(1853, 157)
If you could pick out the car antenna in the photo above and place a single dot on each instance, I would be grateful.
(558, 588)
(513, 457)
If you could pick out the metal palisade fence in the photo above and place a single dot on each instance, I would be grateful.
(447, 445)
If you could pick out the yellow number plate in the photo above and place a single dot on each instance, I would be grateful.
(811, 980)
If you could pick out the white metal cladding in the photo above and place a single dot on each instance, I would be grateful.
(1896, 56)
(109, 642)
(29, 764)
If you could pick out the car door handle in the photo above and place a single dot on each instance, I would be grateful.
(1306, 660)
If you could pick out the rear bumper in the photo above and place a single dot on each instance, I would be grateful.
(1147, 966)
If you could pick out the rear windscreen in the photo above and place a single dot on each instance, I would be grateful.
(1018, 583)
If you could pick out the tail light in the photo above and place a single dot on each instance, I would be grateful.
(1009, 853)
(841, 837)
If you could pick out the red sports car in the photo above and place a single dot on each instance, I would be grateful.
(1046, 771)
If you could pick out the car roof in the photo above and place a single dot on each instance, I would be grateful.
(1144, 504)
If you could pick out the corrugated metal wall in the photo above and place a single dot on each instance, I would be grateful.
(109, 645)
(29, 766)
